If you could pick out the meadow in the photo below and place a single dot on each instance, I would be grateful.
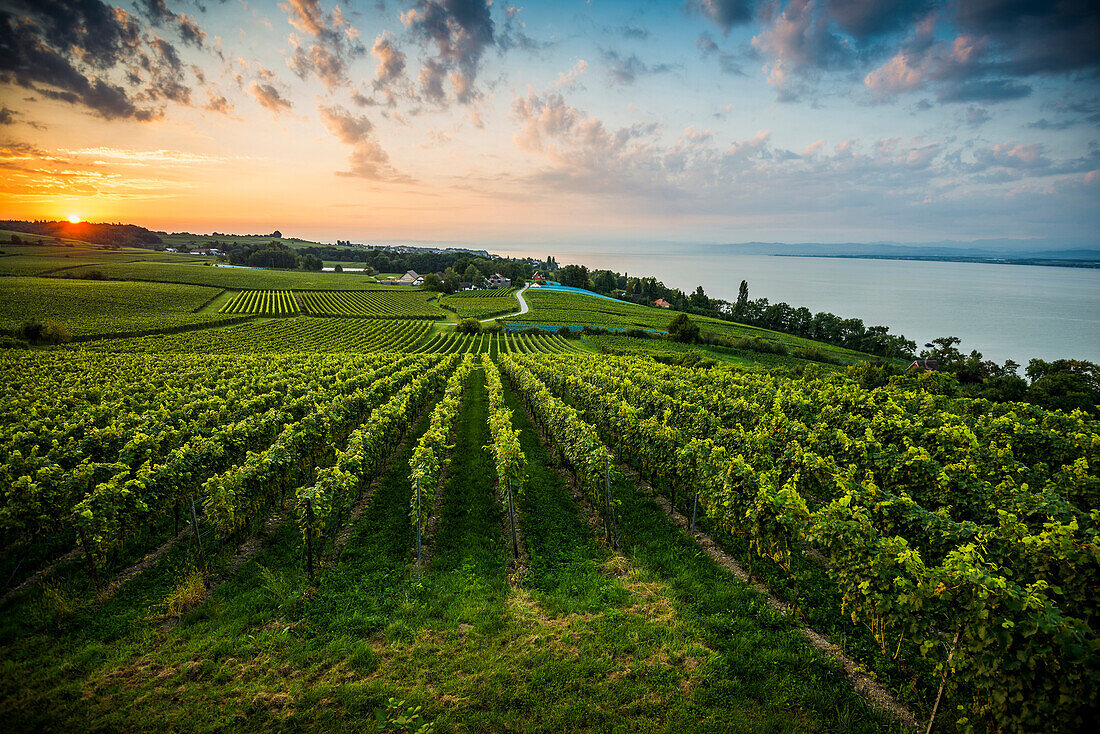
(368, 521)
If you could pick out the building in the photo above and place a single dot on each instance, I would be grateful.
(498, 281)
(662, 303)
(411, 277)
(924, 365)
(538, 278)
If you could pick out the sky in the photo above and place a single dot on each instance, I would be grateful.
(538, 122)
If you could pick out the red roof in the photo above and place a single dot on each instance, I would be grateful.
(538, 276)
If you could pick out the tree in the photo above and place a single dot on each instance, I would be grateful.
(312, 262)
(742, 298)
(338, 269)
(451, 281)
(1065, 384)
(574, 276)
(473, 276)
(519, 281)
(433, 282)
(468, 326)
(604, 281)
(699, 300)
(683, 329)
(277, 234)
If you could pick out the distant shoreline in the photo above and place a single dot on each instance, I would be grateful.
(947, 259)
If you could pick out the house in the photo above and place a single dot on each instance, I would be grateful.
(538, 278)
(498, 281)
(464, 286)
(662, 303)
(924, 365)
(411, 277)
(170, 249)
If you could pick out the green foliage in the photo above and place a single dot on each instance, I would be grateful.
(683, 329)
(468, 326)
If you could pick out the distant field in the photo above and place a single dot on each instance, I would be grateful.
(90, 307)
(300, 334)
(625, 345)
(401, 303)
(236, 278)
(481, 304)
(574, 309)
(449, 342)
(209, 240)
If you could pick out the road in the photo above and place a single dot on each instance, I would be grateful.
(522, 306)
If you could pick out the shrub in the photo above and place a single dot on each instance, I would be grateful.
(683, 329)
(468, 326)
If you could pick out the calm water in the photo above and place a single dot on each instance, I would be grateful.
(1004, 311)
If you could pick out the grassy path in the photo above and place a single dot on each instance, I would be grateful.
(658, 639)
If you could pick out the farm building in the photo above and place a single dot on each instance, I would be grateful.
(661, 303)
(498, 281)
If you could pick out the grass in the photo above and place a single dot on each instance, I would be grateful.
(88, 307)
(549, 307)
(656, 639)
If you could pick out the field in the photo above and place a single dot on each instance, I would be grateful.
(549, 307)
(305, 523)
(203, 272)
(88, 307)
(481, 304)
(300, 334)
(391, 304)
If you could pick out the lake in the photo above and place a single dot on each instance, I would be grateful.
(1015, 312)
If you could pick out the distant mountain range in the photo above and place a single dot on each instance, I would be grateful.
(1012, 250)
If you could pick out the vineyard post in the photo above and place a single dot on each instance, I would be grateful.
(309, 537)
(418, 524)
(607, 498)
(176, 526)
(611, 502)
(512, 517)
(195, 528)
(694, 511)
(88, 555)
(943, 681)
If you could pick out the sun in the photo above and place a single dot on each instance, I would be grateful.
(74, 218)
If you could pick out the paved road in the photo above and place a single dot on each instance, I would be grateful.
(523, 308)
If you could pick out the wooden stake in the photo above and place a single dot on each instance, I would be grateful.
(195, 528)
(418, 523)
(512, 518)
(88, 555)
(943, 682)
(309, 537)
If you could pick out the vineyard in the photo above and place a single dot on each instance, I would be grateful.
(962, 534)
(449, 342)
(393, 304)
(94, 307)
(301, 334)
(555, 307)
(481, 304)
(277, 303)
(288, 522)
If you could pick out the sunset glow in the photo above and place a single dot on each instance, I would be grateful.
(471, 121)
(74, 218)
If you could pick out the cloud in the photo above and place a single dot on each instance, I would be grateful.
(625, 70)
(969, 51)
(160, 16)
(724, 13)
(1013, 155)
(977, 116)
(268, 96)
(60, 49)
(461, 30)
(367, 160)
(570, 79)
(335, 42)
(391, 61)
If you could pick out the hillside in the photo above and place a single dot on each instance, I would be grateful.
(296, 500)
